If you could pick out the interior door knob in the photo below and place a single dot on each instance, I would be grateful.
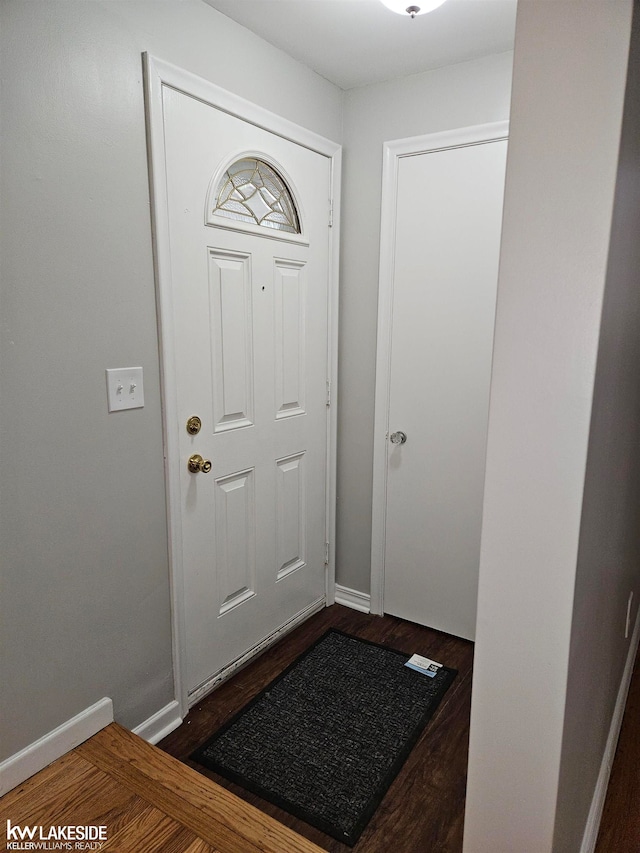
(398, 437)
(196, 464)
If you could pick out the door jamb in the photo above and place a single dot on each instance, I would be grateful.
(393, 151)
(158, 73)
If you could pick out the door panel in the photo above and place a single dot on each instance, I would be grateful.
(290, 299)
(235, 538)
(290, 514)
(231, 331)
(250, 337)
(449, 215)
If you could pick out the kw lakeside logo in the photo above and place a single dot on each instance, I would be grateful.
(55, 837)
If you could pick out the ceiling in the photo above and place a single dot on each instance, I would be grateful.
(358, 42)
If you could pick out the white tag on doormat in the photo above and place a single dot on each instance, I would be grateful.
(424, 665)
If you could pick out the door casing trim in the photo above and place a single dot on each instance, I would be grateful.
(393, 151)
(157, 74)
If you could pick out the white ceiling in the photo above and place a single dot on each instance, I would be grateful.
(357, 42)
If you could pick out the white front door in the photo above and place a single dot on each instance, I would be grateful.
(446, 242)
(250, 331)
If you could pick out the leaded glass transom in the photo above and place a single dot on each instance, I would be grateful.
(252, 191)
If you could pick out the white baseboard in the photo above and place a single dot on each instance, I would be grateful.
(352, 598)
(39, 754)
(597, 803)
(161, 724)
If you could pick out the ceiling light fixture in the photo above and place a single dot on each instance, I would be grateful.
(417, 8)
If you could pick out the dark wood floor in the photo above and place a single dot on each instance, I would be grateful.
(423, 811)
(620, 826)
(424, 807)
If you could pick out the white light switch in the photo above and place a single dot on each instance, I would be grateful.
(124, 388)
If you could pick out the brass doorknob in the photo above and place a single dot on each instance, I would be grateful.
(194, 425)
(196, 464)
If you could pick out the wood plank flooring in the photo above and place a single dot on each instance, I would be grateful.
(424, 807)
(152, 803)
(620, 825)
(148, 802)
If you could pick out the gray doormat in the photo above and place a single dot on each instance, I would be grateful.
(327, 737)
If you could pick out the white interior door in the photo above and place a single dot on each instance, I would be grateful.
(250, 330)
(445, 271)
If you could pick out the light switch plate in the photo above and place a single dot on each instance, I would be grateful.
(124, 388)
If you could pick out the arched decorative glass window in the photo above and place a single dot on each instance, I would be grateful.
(253, 191)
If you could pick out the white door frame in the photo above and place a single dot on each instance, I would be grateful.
(392, 153)
(158, 73)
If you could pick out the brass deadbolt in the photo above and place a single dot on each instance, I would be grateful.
(197, 464)
(194, 425)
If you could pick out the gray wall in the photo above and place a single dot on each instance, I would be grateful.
(459, 95)
(609, 554)
(85, 589)
(542, 591)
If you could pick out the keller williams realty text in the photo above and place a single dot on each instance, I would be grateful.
(55, 837)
